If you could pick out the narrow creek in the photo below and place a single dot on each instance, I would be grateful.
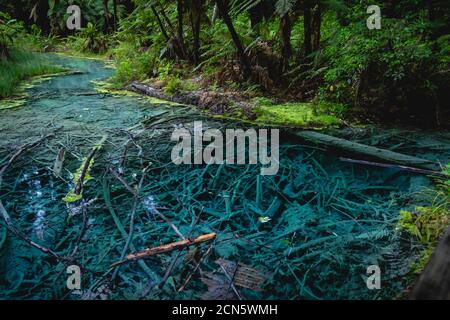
(312, 230)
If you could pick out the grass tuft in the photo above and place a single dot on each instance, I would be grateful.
(21, 66)
(303, 114)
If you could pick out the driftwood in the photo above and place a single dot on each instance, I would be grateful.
(399, 167)
(370, 151)
(434, 282)
(57, 166)
(165, 248)
(188, 98)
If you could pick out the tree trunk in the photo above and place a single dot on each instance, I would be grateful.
(180, 10)
(285, 30)
(42, 18)
(115, 15)
(307, 32)
(129, 6)
(434, 282)
(316, 24)
(263, 10)
(161, 25)
(108, 25)
(223, 10)
(167, 20)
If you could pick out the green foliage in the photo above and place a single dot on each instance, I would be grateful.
(427, 224)
(173, 85)
(37, 41)
(133, 64)
(284, 6)
(89, 39)
(399, 55)
(9, 29)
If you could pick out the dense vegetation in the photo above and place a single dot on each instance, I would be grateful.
(304, 50)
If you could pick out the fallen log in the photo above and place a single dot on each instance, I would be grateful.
(399, 167)
(165, 248)
(58, 164)
(216, 102)
(374, 152)
(149, 91)
(187, 98)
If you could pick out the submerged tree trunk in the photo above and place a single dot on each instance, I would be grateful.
(223, 10)
(373, 152)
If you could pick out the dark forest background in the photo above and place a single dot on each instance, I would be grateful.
(301, 50)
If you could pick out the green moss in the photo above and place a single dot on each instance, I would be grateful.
(427, 224)
(71, 195)
(293, 114)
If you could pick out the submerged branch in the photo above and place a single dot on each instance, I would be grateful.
(166, 248)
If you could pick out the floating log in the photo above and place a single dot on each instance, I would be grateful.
(374, 152)
(166, 248)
